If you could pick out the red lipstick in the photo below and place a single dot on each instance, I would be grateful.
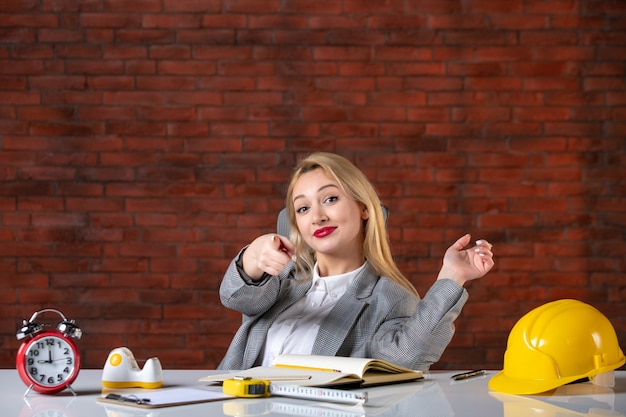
(324, 231)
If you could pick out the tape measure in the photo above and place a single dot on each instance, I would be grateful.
(247, 387)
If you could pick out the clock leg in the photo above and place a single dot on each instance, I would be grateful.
(28, 390)
(72, 390)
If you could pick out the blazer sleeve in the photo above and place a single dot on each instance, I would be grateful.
(416, 332)
(240, 293)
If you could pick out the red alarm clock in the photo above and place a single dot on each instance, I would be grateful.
(48, 361)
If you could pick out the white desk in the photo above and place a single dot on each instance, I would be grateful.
(436, 396)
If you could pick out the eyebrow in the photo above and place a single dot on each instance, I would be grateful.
(320, 189)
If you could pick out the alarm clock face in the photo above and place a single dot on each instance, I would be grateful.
(49, 362)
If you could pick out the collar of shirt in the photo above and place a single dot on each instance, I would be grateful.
(335, 285)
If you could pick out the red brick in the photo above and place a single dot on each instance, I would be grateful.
(109, 20)
(337, 21)
(96, 67)
(124, 52)
(280, 21)
(373, 6)
(323, 53)
(312, 7)
(169, 51)
(19, 5)
(338, 83)
(456, 22)
(100, 35)
(424, 114)
(400, 53)
(18, 35)
(49, 113)
(552, 83)
(12, 83)
(34, 52)
(105, 113)
(67, 129)
(288, 113)
(153, 36)
(191, 6)
(484, 114)
(539, 114)
(60, 35)
(434, 83)
(452, 129)
(281, 83)
(553, 38)
(138, 6)
(140, 67)
(495, 7)
(433, 7)
(253, 7)
(112, 82)
(510, 53)
(395, 22)
(186, 68)
(238, 129)
(573, 129)
(172, 21)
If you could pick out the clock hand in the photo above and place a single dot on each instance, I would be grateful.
(52, 360)
(49, 358)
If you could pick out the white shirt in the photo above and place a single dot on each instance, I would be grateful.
(295, 329)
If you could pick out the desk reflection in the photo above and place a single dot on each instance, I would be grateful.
(392, 400)
(576, 400)
(44, 406)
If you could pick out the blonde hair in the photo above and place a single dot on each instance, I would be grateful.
(376, 247)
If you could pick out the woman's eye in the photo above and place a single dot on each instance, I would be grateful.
(301, 210)
(331, 199)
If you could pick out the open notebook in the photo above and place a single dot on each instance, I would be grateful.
(320, 371)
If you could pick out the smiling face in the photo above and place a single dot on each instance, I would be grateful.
(330, 222)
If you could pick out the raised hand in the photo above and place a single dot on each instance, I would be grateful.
(267, 254)
(462, 265)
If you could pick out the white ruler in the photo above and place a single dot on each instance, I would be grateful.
(317, 393)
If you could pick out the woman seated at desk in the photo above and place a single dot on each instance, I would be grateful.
(333, 288)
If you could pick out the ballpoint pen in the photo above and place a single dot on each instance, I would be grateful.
(470, 374)
(128, 399)
(306, 368)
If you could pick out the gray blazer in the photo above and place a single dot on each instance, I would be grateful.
(375, 318)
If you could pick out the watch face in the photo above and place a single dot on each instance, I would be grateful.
(48, 361)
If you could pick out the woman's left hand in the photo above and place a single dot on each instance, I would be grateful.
(462, 265)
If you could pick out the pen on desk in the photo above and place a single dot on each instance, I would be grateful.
(470, 374)
(306, 368)
(278, 377)
(129, 399)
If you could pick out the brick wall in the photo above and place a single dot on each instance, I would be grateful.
(142, 143)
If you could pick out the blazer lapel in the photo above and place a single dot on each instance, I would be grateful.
(258, 332)
(340, 321)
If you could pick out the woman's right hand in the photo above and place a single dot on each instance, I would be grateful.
(269, 254)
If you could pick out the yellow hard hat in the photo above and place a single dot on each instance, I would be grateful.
(555, 344)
